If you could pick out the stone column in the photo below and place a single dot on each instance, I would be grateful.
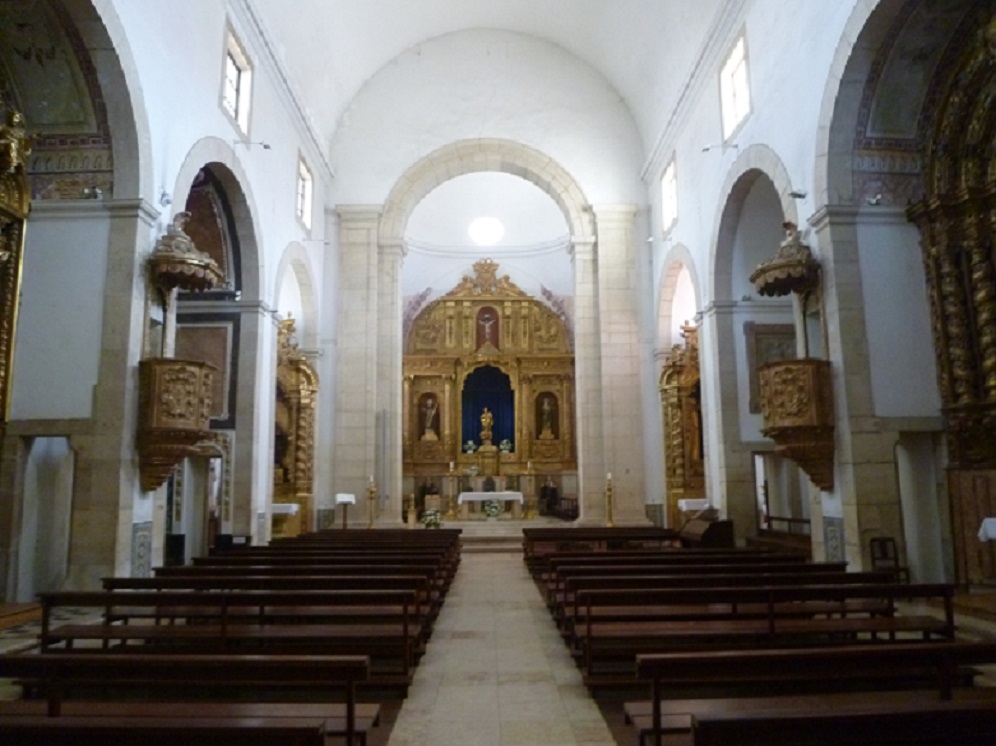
(355, 444)
(588, 381)
(729, 472)
(107, 485)
(389, 369)
(866, 494)
(622, 383)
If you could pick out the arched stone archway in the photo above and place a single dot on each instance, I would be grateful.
(372, 249)
(748, 229)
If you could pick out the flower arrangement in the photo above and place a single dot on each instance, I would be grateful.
(492, 509)
(505, 446)
(431, 518)
(469, 447)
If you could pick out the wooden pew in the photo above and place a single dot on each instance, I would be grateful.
(428, 599)
(548, 568)
(27, 730)
(56, 675)
(836, 681)
(620, 624)
(381, 624)
(569, 613)
(437, 581)
(539, 541)
(554, 585)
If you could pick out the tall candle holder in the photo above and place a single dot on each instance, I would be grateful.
(608, 501)
(371, 502)
(450, 514)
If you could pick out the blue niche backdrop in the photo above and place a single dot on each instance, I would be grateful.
(488, 387)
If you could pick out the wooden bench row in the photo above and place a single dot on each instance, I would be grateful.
(170, 678)
(619, 624)
(835, 693)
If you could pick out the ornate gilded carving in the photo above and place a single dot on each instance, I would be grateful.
(176, 263)
(15, 201)
(957, 224)
(294, 441)
(486, 282)
(793, 269)
(680, 389)
(486, 320)
(174, 414)
(797, 406)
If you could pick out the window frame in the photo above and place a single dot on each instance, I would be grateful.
(735, 68)
(304, 193)
(669, 197)
(236, 96)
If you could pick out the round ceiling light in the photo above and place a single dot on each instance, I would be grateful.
(486, 231)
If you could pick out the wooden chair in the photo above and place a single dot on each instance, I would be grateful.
(885, 558)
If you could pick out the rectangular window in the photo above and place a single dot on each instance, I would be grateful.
(305, 190)
(669, 198)
(735, 88)
(237, 84)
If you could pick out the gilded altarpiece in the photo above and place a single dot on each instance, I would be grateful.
(957, 222)
(15, 202)
(294, 441)
(681, 401)
(486, 320)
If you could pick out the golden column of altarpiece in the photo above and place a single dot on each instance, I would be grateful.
(487, 320)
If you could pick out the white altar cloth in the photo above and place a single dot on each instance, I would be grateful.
(480, 497)
(690, 504)
(987, 532)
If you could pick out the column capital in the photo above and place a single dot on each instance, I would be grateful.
(359, 213)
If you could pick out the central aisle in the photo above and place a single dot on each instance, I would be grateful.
(496, 672)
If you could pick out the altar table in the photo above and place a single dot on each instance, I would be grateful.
(466, 498)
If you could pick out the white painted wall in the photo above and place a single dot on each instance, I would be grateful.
(900, 341)
(58, 341)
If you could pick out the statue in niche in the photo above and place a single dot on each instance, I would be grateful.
(547, 416)
(430, 408)
(487, 329)
(487, 420)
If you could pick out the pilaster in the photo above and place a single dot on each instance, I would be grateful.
(389, 371)
(588, 380)
(619, 315)
(357, 375)
(866, 493)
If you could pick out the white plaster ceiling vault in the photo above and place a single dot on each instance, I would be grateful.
(332, 49)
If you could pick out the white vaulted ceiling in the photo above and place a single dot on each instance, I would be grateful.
(644, 48)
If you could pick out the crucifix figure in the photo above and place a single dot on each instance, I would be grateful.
(487, 321)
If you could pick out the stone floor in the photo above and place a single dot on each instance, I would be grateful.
(496, 672)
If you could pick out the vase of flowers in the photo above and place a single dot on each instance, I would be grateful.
(505, 446)
(431, 518)
(469, 447)
(491, 509)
